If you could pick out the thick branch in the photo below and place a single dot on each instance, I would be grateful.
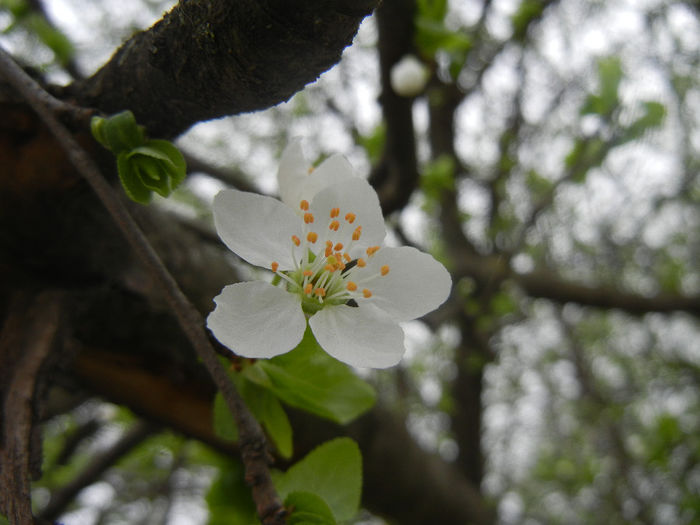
(212, 58)
(26, 339)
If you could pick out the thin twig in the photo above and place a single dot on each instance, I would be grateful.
(252, 440)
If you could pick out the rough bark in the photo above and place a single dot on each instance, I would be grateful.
(210, 58)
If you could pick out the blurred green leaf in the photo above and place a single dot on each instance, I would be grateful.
(609, 77)
(654, 115)
(229, 499)
(432, 9)
(528, 10)
(332, 471)
(438, 176)
(224, 424)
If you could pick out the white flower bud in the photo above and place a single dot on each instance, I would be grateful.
(409, 76)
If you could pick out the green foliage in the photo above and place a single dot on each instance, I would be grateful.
(374, 142)
(308, 508)
(309, 379)
(438, 176)
(586, 153)
(144, 165)
(432, 36)
(24, 17)
(265, 407)
(4, 520)
(528, 11)
(229, 499)
(606, 100)
(654, 114)
(331, 472)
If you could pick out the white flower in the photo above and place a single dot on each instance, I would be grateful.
(324, 244)
(409, 76)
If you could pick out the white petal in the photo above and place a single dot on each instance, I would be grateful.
(361, 337)
(257, 228)
(352, 196)
(293, 170)
(334, 170)
(415, 285)
(256, 319)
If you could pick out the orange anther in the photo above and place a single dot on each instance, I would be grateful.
(308, 217)
(304, 205)
(307, 273)
(356, 234)
(350, 217)
(329, 268)
(329, 251)
(320, 292)
(296, 240)
(275, 266)
(335, 212)
(366, 293)
(385, 269)
(338, 247)
(361, 262)
(372, 250)
(347, 257)
(308, 288)
(351, 286)
(334, 225)
(312, 237)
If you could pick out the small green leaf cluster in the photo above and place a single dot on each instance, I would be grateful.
(144, 165)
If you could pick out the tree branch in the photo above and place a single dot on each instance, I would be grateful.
(26, 339)
(252, 440)
(211, 58)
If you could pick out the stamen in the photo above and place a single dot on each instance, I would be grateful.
(296, 240)
(351, 286)
(338, 247)
(320, 292)
(335, 212)
(350, 217)
(307, 273)
(385, 269)
(308, 288)
(372, 250)
(275, 265)
(308, 217)
(329, 268)
(356, 234)
(347, 257)
(361, 262)
(366, 293)
(334, 225)
(304, 205)
(312, 237)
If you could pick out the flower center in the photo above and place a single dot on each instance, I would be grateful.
(325, 273)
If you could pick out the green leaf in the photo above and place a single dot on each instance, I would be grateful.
(269, 412)
(118, 133)
(432, 36)
(309, 379)
(332, 471)
(308, 508)
(224, 424)
(4, 520)
(131, 181)
(229, 499)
